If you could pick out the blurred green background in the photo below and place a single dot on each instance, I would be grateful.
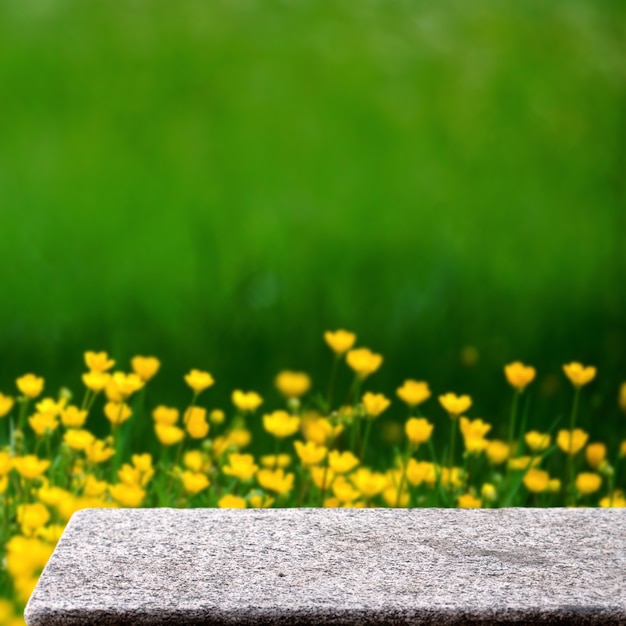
(217, 183)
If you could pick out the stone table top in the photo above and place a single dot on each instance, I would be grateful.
(335, 566)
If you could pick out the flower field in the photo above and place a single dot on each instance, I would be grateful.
(326, 451)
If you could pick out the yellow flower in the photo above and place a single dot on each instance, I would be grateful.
(309, 453)
(489, 492)
(96, 381)
(165, 415)
(78, 439)
(117, 413)
(468, 501)
(260, 500)
(622, 397)
(30, 517)
(572, 442)
(145, 366)
(455, 405)
(30, 466)
(43, 423)
(127, 495)
(276, 460)
(30, 385)
(622, 448)
(473, 429)
(292, 384)
(275, 480)
(523, 463)
(230, 501)
(554, 486)
(168, 435)
(52, 496)
(497, 452)
(578, 374)
(369, 483)
(49, 534)
(519, 375)
(537, 441)
(339, 341)
(240, 466)
(417, 472)
(536, 480)
(323, 477)
(246, 401)
(94, 487)
(127, 384)
(49, 405)
(199, 381)
(99, 452)
(615, 500)
(364, 362)
(112, 391)
(239, 437)
(98, 361)
(72, 417)
(6, 463)
(418, 430)
(195, 422)
(216, 416)
(194, 482)
(588, 483)
(6, 404)
(281, 424)
(342, 462)
(319, 429)
(595, 454)
(344, 491)
(413, 392)
(195, 461)
(374, 403)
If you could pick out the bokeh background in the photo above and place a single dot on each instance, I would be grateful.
(217, 183)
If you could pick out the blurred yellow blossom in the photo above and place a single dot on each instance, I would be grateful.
(165, 415)
(469, 501)
(217, 416)
(98, 361)
(497, 451)
(145, 367)
(43, 423)
(418, 430)
(78, 438)
(276, 460)
(519, 375)
(30, 517)
(275, 480)
(455, 405)
(588, 483)
(117, 412)
(194, 482)
(73, 417)
(363, 361)
(572, 442)
(339, 341)
(30, 385)
(536, 441)
(281, 424)
(230, 501)
(246, 400)
(536, 480)
(595, 453)
(622, 397)
(6, 404)
(127, 494)
(369, 483)
(375, 403)
(99, 451)
(342, 462)
(292, 384)
(413, 392)
(195, 422)
(310, 453)
(198, 380)
(241, 466)
(96, 381)
(578, 374)
(30, 466)
(127, 384)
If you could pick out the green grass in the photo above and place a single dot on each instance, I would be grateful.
(219, 183)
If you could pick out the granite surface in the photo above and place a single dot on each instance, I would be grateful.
(315, 566)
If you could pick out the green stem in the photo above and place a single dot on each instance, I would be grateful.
(512, 421)
(570, 457)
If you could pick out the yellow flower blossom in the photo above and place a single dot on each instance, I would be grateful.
(239, 437)
(621, 398)
(50, 405)
(168, 435)
(375, 403)
(117, 413)
(241, 466)
(30, 517)
(418, 472)
(363, 361)
(93, 487)
(578, 374)
(342, 462)
(588, 483)
(455, 405)
(344, 491)
(246, 400)
(622, 448)
(523, 463)
(198, 380)
(96, 381)
(229, 501)
(572, 442)
(73, 417)
(323, 477)
(339, 341)
(276, 460)
(519, 375)
(24, 560)
(536, 480)
(194, 482)
(127, 495)
(6, 404)
(50, 534)
(217, 416)
(390, 496)
(468, 501)
(474, 432)
(52, 496)
(497, 452)
(260, 500)
(616, 500)
(369, 483)
(112, 391)
(280, 424)
(310, 453)
(275, 480)
(418, 430)
(30, 385)
(165, 415)
(319, 429)
(195, 422)
(536, 441)
(413, 392)
(145, 367)
(78, 439)
(554, 485)
(292, 384)
(488, 492)
(30, 466)
(98, 361)
(595, 453)
(127, 384)
(99, 452)
(6, 463)
(43, 423)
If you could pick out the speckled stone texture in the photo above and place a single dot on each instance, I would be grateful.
(316, 566)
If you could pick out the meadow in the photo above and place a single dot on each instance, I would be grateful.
(218, 185)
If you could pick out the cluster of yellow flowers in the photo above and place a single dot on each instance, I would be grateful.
(52, 464)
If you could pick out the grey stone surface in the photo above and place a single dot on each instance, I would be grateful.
(315, 566)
